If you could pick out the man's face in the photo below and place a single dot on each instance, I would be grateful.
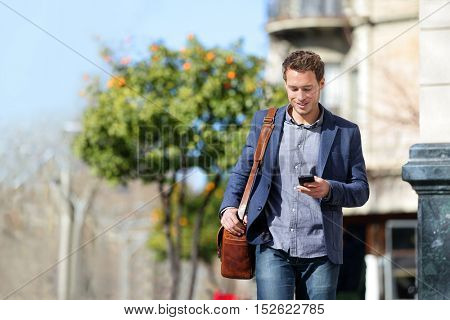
(303, 91)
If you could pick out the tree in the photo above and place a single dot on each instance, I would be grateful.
(173, 111)
(73, 210)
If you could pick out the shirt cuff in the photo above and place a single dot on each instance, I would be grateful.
(328, 196)
(223, 211)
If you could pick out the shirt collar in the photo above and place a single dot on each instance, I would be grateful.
(318, 122)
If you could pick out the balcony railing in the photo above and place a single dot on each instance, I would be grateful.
(291, 9)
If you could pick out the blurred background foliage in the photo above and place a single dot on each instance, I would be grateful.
(174, 109)
(207, 248)
(193, 104)
(161, 116)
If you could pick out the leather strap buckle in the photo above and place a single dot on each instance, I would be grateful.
(268, 120)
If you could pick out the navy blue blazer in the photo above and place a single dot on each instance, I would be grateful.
(340, 161)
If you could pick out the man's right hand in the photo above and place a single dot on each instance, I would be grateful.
(231, 222)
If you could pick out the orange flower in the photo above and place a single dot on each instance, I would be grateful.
(229, 60)
(110, 83)
(183, 221)
(125, 60)
(86, 77)
(116, 82)
(121, 81)
(190, 36)
(210, 56)
(210, 186)
(107, 58)
(231, 75)
(155, 58)
(155, 215)
(186, 66)
(154, 47)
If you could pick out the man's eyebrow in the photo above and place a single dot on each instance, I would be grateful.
(305, 86)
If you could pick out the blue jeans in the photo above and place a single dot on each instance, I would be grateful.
(279, 276)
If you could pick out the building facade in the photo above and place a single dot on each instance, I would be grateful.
(371, 54)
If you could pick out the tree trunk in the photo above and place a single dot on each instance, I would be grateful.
(60, 191)
(64, 271)
(173, 260)
(177, 225)
(72, 219)
(82, 207)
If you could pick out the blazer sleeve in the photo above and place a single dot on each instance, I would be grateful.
(241, 171)
(355, 191)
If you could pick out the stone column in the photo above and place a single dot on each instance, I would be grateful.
(428, 168)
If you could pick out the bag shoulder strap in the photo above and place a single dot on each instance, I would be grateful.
(258, 156)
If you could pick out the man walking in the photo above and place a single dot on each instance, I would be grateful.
(297, 229)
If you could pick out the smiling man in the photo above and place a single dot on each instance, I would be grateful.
(297, 229)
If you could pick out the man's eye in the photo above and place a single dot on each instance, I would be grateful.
(306, 90)
(294, 89)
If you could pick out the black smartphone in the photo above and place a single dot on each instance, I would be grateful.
(305, 178)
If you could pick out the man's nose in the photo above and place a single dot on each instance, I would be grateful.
(300, 95)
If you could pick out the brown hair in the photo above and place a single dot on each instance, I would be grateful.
(304, 61)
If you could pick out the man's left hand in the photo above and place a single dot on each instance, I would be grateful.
(317, 189)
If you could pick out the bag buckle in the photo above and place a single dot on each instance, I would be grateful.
(268, 120)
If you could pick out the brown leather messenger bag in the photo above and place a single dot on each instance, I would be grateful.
(236, 255)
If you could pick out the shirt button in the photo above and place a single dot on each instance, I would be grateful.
(299, 145)
(292, 229)
(259, 208)
(293, 210)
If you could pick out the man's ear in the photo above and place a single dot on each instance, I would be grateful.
(322, 83)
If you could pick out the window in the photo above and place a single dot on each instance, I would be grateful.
(400, 262)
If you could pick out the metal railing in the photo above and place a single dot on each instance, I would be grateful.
(291, 9)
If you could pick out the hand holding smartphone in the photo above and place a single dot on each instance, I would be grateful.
(305, 179)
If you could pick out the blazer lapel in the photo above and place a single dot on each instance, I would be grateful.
(274, 143)
(329, 130)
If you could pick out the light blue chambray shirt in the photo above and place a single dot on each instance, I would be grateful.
(295, 219)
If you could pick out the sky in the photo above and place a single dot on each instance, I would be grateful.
(47, 46)
(40, 78)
